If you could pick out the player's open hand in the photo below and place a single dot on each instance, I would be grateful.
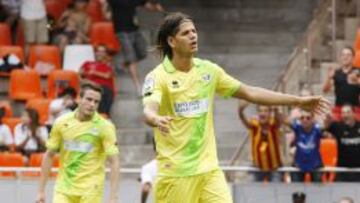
(316, 104)
(163, 124)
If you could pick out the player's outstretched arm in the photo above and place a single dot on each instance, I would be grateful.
(114, 177)
(45, 171)
(316, 104)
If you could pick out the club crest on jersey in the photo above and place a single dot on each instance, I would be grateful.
(206, 77)
(175, 84)
(148, 86)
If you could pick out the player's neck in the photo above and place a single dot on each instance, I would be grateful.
(82, 117)
(182, 63)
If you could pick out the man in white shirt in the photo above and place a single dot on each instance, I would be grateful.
(33, 16)
(148, 175)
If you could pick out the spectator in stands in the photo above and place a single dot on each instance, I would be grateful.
(63, 104)
(30, 136)
(347, 134)
(133, 45)
(12, 8)
(73, 26)
(264, 131)
(346, 200)
(345, 80)
(33, 16)
(306, 146)
(6, 139)
(298, 197)
(101, 73)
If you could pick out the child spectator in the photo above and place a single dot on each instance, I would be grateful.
(30, 136)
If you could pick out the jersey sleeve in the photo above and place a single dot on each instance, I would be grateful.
(54, 141)
(152, 91)
(226, 85)
(109, 140)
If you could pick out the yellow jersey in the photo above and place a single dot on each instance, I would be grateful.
(188, 97)
(83, 147)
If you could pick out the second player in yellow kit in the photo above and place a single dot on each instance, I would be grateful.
(178, 97)
(85, 140)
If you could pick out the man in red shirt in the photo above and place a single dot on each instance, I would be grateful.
(101, 72)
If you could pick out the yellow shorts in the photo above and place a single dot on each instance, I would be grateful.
(209, 187)
(64, 198)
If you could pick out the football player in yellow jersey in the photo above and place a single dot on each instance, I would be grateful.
(178, 98)
(84, 140)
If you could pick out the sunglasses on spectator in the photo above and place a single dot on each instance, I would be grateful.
(305, 117)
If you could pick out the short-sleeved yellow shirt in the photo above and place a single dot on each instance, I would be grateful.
(83, 147)
(188, 97)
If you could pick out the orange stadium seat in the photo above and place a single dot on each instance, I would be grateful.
(103, 33)
(94, 11)
(8, 110)
(5, 38)
(24, 85)
(356, 62)
(12, 122)
(41, 106)
(10, 160)
(45, 53)
(55, 8)
(59, 79)
(34, 161)
(357, 41)
(329, 154)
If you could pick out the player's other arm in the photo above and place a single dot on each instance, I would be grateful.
(45, 171)
(114, 177)
(316, 104)
(153, 119)
(145, 190)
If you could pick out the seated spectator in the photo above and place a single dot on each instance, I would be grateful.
(33, 16)
(73, 26)
(101, 73)
(347, 134)
(30, 136)
(6, 139)
(264, 131)
(345, 80)
(63, 104)
(11, 11)
(306, 146)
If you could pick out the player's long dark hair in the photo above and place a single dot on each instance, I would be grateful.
(169, 27)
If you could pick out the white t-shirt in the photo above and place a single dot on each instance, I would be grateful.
(5, 135)
(56, 105)
(148, 172)
(22, 132)
(32, 9)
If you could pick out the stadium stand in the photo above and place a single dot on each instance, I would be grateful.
(28, 88)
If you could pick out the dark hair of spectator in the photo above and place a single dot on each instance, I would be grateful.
(298, 197)
(348, 199)
(168, 28)
(34, 120)
(351, 49)
(2, 114)
(68, 91)
(89, 86)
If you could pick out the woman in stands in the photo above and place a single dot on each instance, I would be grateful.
(6, 139)
(30, 136)
(73, 26)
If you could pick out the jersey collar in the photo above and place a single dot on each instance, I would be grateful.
(94, 118)
(169, 67)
